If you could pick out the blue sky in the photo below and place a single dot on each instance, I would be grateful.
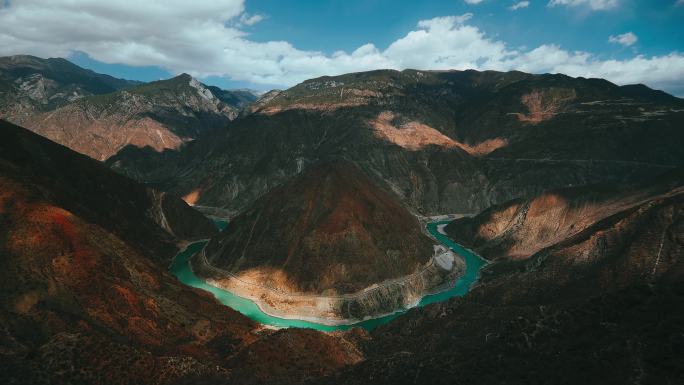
(264, 44)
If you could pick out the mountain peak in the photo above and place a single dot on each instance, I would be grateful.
(184, 76)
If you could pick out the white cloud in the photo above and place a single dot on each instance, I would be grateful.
(593, 4)
(679, 3)
(203, 39)
(519, 5)
(247, 19)
(473, 2)
(626, 39)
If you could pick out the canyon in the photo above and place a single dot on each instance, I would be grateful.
(571, 189)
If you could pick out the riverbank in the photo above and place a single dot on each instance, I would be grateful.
(473, 263)
(382, 299)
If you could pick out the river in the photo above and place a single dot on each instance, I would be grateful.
(180, 267)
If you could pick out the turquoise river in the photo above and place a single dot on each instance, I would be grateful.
(180, 267)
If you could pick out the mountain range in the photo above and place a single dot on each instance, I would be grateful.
(98, 115)
(571, 189)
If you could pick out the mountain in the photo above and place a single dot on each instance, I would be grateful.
(240, 98)
(441, 141)
(85, 293)
(30, 85)
(329, 232)
(83, 254)
(99, 115)
(517, 229)
(160, 115)
(597, 304)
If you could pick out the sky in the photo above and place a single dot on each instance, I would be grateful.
(265, 44)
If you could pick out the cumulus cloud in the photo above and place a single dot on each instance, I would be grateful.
(519, 5)
(203, 38)
(626, 39)
(473, 1)
(593, 4)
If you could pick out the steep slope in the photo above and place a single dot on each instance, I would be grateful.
(85, 293)
(88, 189)
(160, 115)
(597, 306)
(454, 141)
(30, 85)
(330, 232)
(523, 227)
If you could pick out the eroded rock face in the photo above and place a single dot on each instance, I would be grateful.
(545, 104)
(319, 246)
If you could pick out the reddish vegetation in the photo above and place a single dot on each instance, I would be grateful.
(304, 351)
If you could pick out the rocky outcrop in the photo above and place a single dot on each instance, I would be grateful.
(31, 85)
(377, 300)
(329, 245)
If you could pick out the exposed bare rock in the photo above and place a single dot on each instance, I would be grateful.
(544, 104)
(30, 85)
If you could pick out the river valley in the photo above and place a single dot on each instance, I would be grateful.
(180, 267)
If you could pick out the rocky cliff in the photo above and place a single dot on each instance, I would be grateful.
(522, 227)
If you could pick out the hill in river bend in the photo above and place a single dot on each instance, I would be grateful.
(326, 239)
